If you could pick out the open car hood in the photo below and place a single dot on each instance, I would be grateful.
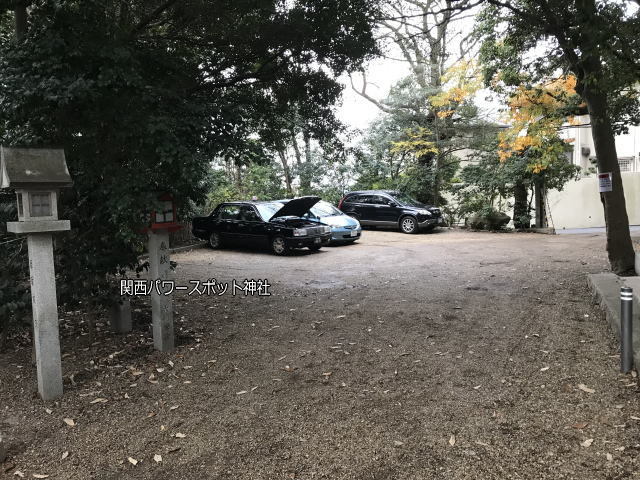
(296, 207)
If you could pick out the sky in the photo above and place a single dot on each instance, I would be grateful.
(358, 112)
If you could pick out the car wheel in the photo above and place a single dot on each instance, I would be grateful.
(279, 245)
(408, 225)
(215, 241)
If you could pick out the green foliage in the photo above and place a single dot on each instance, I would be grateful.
(531, 41)
(15, 299)
(413, 145)
(487, 182)
(144, 95)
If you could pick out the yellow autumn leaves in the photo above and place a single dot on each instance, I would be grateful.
(461, 82)
(534, 121)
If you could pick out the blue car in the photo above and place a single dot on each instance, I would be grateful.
(344, 229)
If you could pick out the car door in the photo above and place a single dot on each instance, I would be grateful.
(387, 210)
(366, 209)
(251, 229)
(228, 221)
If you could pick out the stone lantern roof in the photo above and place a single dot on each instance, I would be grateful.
(33, 168)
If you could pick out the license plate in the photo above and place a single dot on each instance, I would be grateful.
(354, 233)
(317, 240)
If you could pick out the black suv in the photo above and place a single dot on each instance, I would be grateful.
(390, 208)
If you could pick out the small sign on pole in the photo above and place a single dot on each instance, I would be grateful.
(605, 182)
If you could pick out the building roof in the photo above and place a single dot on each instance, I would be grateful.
(33, 167)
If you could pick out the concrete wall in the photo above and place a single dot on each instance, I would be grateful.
(578, 204)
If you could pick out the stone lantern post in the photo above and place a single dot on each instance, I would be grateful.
(37, 175)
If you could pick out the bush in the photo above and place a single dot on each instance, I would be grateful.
(489, 219)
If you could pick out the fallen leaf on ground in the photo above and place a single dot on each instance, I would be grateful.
(157, 458)
(65, 455)
(173, 407)
(609, 457)
(580, 425)
(587, 443)
(452, 440)
(398, 443)
(132, 461)
(634, 418)
(180, 435)
(19, 473)
(40, 475)
(544, 369)
(326, 374)
(69, 421)
(241, 392)
(99, 400)
(48, 410)
(584, 388)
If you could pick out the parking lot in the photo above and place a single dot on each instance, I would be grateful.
(445, 355)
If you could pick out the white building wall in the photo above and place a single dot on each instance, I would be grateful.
(578, 204)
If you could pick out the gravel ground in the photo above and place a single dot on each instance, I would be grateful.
(450, 355)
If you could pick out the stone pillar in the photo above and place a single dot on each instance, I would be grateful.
(3, 450)
(121, 316)
(161, 305)
(45, 315)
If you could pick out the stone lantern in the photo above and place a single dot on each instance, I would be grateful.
(37, 176)
(162, 221)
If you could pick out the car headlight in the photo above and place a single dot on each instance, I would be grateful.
(424, 212)
(300, 232)
(327, 229)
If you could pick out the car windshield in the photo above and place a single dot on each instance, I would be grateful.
(324, 209)
(267, 210)
(406, 200)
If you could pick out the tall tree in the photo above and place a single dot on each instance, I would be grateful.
(429, 36)
(529, 41)
(143, 95)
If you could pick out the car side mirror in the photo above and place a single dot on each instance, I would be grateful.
(393, 204)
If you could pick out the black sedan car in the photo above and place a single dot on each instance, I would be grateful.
(277, 225)
(390, 208)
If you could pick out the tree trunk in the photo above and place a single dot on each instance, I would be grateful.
(435, 192)
(521, 217)
(287, 172)
(619, 246)
(301, 166)
(20, 12)
(541, 217)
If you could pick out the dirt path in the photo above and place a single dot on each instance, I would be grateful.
(452, 355)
